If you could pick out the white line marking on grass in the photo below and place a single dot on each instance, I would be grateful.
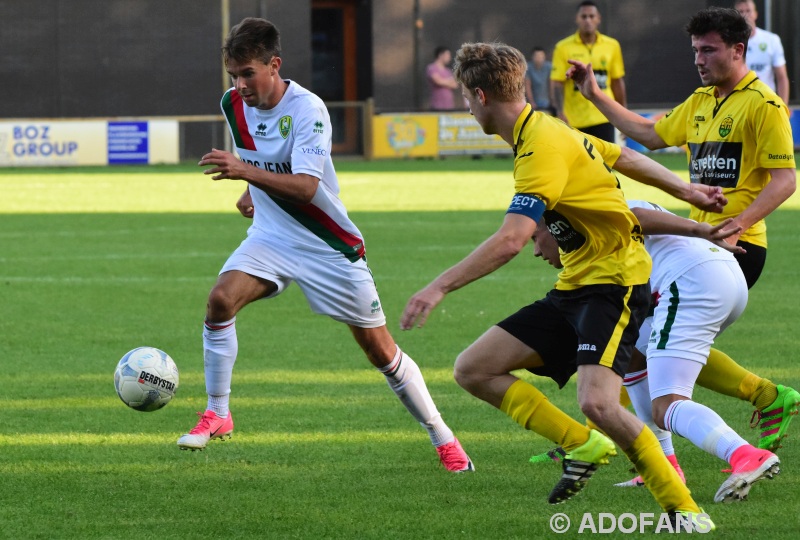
(112, 402)
(78, 280)
(280, 437)
(267, 376)
(81, 232)
(116, 256)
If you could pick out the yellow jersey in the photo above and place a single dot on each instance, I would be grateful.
(605, 55)
(599, 238)
(732, 143)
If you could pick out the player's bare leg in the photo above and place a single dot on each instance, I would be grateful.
(638, 390)
(598, 394)
(484, 370)
(405, 379)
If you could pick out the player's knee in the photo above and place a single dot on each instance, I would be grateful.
(597, 409)
(466, 372)
(379, 356)
(221, 305)
(659, 412)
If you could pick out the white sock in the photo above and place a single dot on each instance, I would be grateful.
(639, 392)
(220, 347)
(703, 427)
(405, 379)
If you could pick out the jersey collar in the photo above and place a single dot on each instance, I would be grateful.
(746, 81)
(519, 125)
(576, 37)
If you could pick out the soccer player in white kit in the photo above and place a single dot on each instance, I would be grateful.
(765, 53)
(300, 233)
(701, 291)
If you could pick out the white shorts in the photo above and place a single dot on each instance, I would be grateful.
(332, 285)
(672, 376)
(699, 305)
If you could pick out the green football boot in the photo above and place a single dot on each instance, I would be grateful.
(579, 466)
(775, 419)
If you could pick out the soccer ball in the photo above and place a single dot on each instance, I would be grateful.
(146, 379)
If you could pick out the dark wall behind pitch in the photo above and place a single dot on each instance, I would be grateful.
(657, 52)
(90, 58)
(86, 58)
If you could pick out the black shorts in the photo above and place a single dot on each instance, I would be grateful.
(596, 324)
(604, 132)
(752, 262)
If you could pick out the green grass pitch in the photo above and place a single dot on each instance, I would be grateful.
(97, 261)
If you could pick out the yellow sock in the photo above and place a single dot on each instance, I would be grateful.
(532, 410)
(724, 376)
(659, 476)
(624, 398)
(764, 395)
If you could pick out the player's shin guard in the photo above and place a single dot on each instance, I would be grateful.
(220, 347)
(703, 427)
(531, 409)
(723, 375)
(405, 379)
(658, 474)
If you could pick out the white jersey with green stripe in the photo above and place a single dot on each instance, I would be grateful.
(294, 137)
(674, 255)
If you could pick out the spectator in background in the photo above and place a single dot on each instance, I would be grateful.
(765, 52)
(605, 55)
(537, 80)
(441, 81)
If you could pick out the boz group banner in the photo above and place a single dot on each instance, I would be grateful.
(87, 142)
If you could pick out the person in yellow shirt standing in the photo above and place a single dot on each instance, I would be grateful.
(736, 128)
(604, 53)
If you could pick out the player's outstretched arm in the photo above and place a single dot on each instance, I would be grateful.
(493, 253)
(647, 171)
(628, 122)
(657, 222)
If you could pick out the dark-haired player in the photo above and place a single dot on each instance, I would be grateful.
(300, 233)
(739, 138)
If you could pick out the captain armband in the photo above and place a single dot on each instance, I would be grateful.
(527, 205)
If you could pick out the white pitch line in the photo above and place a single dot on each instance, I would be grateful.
(78, 280)
(115, 256)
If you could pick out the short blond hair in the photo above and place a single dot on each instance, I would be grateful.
(496, 68)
